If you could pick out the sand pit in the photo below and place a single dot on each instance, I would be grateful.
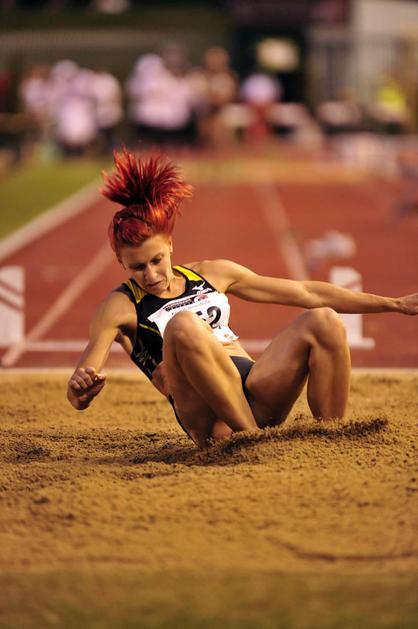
(119, 489)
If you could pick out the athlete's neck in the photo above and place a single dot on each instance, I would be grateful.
(176, 285)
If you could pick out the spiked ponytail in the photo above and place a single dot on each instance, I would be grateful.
(150, 192)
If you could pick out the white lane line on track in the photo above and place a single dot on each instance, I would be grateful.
(57, 214)
(278, 221)
(68, 296)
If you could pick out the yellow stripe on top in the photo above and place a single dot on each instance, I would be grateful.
(137, 292)
(147, 327)
(191, 275)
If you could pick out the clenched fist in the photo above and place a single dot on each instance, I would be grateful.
(83, 386)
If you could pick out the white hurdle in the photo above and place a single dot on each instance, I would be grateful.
(12, 305)
(347, 277)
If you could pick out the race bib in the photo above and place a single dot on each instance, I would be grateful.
(211, 306)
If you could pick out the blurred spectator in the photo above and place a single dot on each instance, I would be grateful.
(222, 80)
(107, 94)
(176, 62)
(175, 59)
(218, 89)
(390, 110)
(73, 107)
(13, 123)
(197, 83)
(342, 115)
(35, 96)
(260, 91)
(160, 104)
(290, 120)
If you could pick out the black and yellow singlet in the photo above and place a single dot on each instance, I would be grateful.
(154, 313)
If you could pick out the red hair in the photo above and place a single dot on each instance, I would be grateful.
(150, 191)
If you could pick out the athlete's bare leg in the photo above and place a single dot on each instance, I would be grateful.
(313, 348)
(203, 381)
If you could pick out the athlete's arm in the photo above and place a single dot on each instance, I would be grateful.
(86, 382)
(237, 280)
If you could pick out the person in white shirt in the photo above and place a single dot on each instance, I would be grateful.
(108, 97)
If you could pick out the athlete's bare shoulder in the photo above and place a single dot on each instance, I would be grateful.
(116, 310)
(208, 265)
(220, 272)
(191, 265)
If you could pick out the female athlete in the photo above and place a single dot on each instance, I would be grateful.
(173, 321)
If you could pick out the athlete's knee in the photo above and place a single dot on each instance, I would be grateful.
(326, 326)
(184, 328)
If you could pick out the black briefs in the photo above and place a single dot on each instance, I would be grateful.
(243, 364)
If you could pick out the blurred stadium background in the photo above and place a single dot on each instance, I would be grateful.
(361, 55)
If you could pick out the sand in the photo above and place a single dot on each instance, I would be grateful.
(120, 484)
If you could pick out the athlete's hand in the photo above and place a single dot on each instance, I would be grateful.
(83, 386)
(409, 304)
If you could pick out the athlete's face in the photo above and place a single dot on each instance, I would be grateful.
(150, 263)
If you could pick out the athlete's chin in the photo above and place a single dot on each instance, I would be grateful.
(156, 287)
